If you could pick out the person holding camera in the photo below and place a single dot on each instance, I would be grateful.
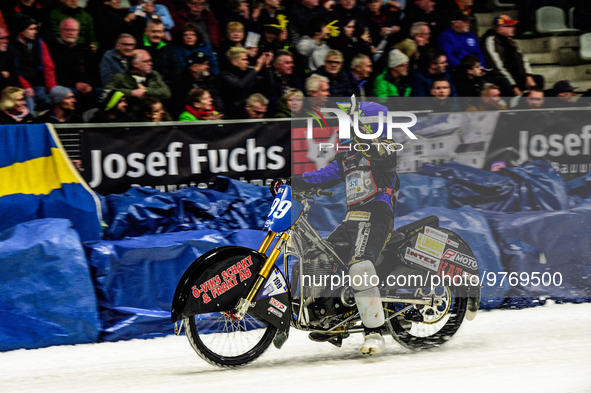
(148, 10)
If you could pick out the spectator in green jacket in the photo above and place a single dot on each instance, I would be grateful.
(139, 81)
(70, 9)
(394, 82)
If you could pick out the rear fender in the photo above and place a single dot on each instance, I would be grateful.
(430, 250)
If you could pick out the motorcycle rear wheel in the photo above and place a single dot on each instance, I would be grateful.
(439, 323)
(222, 340)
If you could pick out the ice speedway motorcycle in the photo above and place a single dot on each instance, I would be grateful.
(234, 301)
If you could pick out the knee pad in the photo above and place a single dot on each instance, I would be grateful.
(363, 274)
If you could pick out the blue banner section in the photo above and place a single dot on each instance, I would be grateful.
(37, 180)
(228, 204)
(553, 244)
(135, 279)
(47, 296)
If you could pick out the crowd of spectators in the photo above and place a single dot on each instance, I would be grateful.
(234, 59)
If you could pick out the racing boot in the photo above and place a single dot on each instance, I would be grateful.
(369, 304)
(374, 342)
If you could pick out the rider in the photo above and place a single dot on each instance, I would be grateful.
(369, 172)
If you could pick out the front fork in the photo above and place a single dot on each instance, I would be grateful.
(245, 302)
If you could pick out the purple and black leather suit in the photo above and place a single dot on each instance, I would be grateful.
(372, 185)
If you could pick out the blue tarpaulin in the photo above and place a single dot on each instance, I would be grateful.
(228, 205)
(46, 292)
(420, 191)
(579, 190)
(534, 186)
(135, 278)
(554, 244)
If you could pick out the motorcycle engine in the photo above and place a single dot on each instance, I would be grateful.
(317, 275)
(331, 309)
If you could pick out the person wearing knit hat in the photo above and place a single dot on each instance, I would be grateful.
(64, 107)
(394, 82)
(58, 93)
(565, 94)
(112, 108)
(396, 58)
(21, 22)
(36, 68)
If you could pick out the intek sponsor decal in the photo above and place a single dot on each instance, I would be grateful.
(429, 245)
(462, 259)
(217, 286)
(277, 304)
(421, 259)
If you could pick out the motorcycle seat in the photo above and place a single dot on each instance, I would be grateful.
(412, 228)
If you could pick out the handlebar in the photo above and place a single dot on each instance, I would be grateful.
(324, 192)
(300, 195)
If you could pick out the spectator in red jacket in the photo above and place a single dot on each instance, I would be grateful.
(34, 62)
(194, 11)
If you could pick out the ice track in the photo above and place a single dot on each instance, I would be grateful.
(542, 349)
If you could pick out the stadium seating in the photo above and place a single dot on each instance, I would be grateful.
(552, 20)
(585, 48)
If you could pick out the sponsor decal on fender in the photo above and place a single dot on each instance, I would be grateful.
(216, 286)
(436, 234)
(421, 259)
(430, 245)
(275, 312)
(447, 269)
(275, 286)
(462, 259)
(452, 243)
(277, 304)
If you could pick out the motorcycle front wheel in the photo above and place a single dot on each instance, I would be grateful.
(430, 326)
(222, 340)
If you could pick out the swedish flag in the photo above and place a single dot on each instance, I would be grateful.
(37, 180)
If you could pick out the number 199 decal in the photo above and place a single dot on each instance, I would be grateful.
(279, 208)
